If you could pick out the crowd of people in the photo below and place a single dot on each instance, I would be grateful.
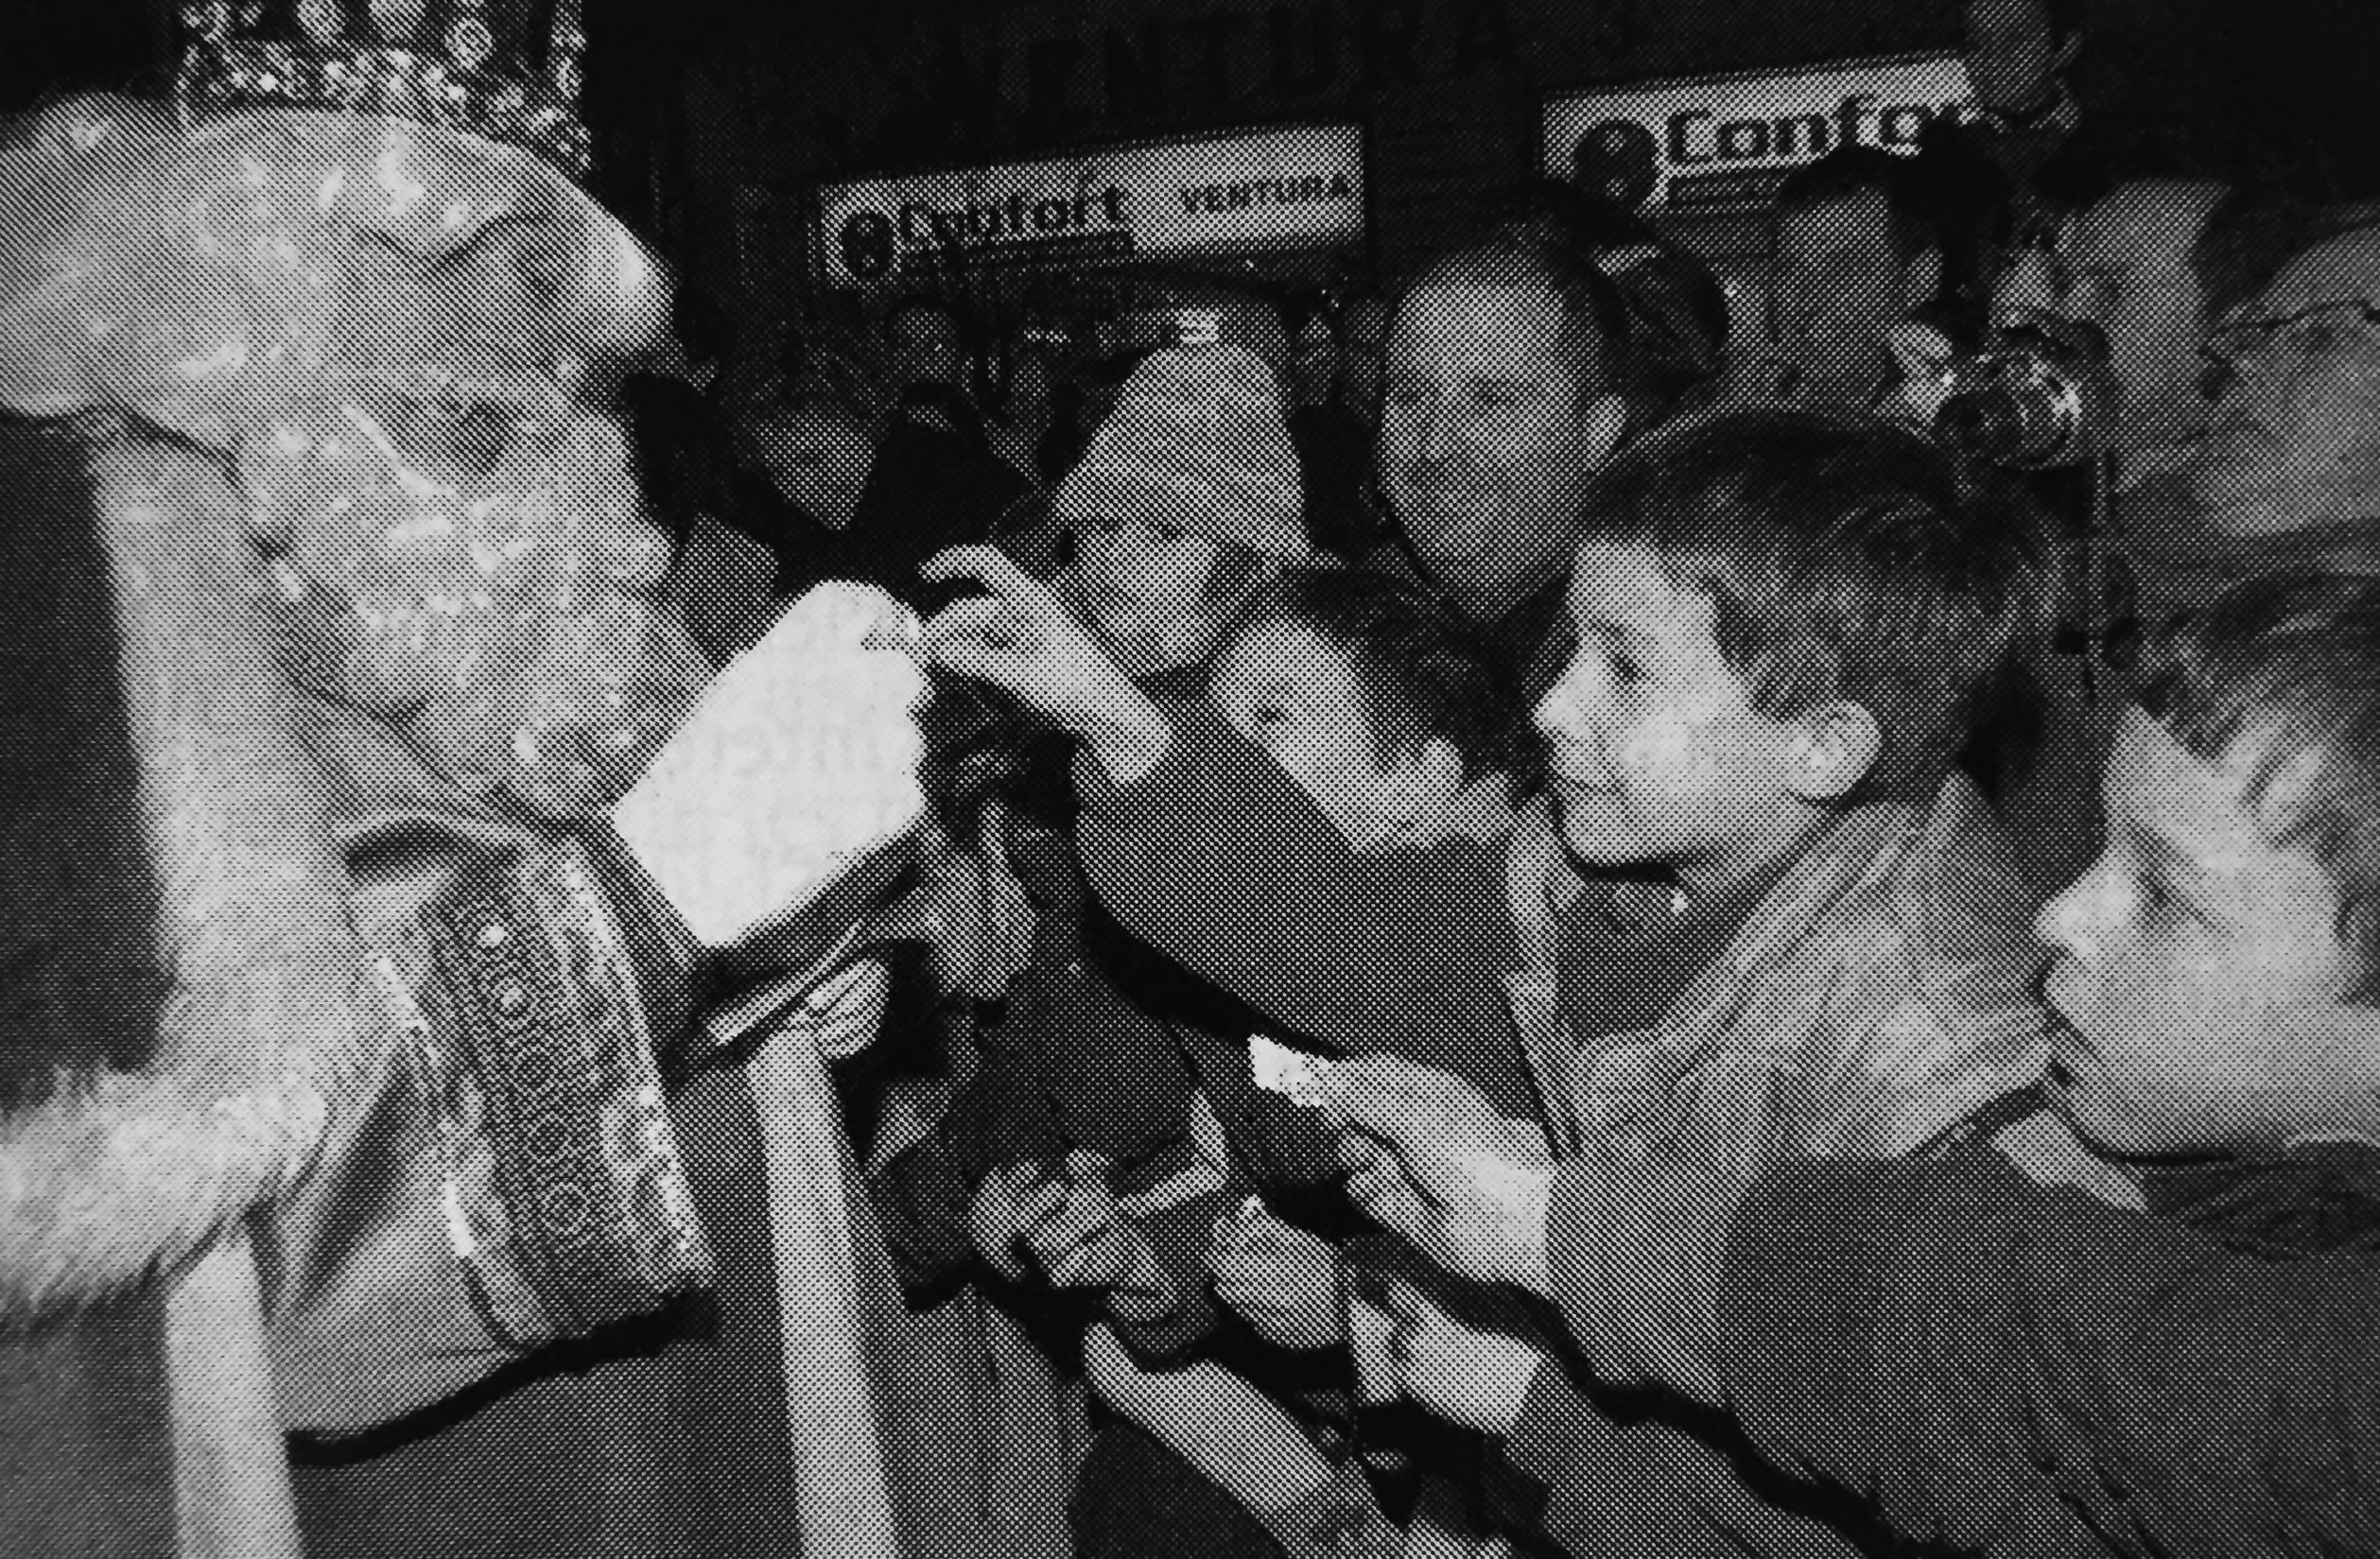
(1516, 918)
(1634, 767)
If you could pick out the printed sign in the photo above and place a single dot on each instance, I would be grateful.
(1296, 188)
(1723, 143)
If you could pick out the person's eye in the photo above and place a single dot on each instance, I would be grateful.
(1495, 397)
(1168, 534)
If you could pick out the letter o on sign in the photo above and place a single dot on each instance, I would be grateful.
(1744, 140)
(867, 245)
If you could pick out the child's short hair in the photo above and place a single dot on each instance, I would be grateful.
(1844, 558)
(2284, 659)
(1422, 677)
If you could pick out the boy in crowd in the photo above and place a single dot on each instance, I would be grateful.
(1816, 945)
(1183, 506)
(1999, 1365)
(1324, 839)
(1185, 503)
(1077, 1119)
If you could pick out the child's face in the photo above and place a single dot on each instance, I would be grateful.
(1292, 693)
(1146, 588)
(1654, 752)
(2198, 968)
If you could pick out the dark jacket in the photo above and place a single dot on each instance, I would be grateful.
(933, 485)
(1087, 1051)
(2017, 1368)
(1217, 859)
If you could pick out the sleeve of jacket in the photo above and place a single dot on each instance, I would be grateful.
(1260, 894)
(1987, 1359)
(924, 1198)
(511, 1178)
(1907, 1045)
(1018, 1123)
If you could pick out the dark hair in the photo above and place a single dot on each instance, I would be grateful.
(1422, 676)
(1844, 557)
(1849, 172)
(1673, 311)
(2251, 235)
(2283, 661)
(1541, 253)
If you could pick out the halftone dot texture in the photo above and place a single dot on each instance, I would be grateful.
(339, 378)
(1198, 442)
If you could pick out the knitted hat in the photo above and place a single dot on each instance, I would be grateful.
(1197, 442)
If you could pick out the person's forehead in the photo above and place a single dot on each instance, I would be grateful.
(1856, 217)
(1625, 585)
(2335, 270)
(1496, 329)
(2221, 817)
(2141, 221)
(1284, 642)
(1279, 654)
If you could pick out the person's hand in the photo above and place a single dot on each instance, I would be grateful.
(1282, 1281)
(1428, 1158)
(1023, 640)
(1474, 1375)
(799, 759)
(1009, 1201)
(1078, 1237)
(1924, 355)
(843, 1013)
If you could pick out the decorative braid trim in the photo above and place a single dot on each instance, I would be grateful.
(567, 1193)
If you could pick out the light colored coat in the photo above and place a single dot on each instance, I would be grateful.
(1880, 991)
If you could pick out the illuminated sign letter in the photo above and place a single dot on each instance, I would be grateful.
(1680, 152)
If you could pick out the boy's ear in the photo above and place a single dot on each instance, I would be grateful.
(1833, 747)
(1422, 781)
(1607, 423)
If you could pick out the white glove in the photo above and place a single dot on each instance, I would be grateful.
(799, 759)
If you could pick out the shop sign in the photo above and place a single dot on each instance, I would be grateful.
(1279, 189)
(1722, 143)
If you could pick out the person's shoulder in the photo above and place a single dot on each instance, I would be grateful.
(1956, 899)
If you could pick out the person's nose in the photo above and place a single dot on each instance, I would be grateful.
(1564, 715)
(2071, 921)
(1437, 441)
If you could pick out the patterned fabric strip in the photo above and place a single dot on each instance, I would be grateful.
(567, 1193)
